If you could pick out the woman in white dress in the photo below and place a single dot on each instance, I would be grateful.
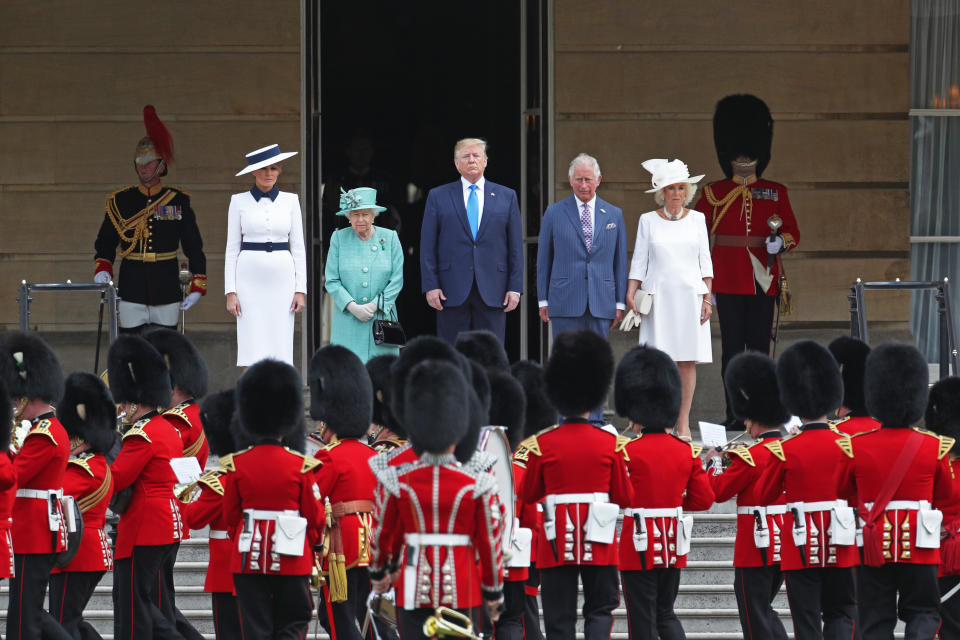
(671, 261)
(265, 263)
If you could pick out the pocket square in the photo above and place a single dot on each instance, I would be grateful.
(612, 225)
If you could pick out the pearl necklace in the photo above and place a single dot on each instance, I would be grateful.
(672, 217)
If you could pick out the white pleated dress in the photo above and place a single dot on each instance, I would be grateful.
(670, 259)
(265, 282)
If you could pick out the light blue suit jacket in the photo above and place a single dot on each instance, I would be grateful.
(571, 280)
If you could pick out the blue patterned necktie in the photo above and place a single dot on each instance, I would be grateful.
(473, 210)
(587, 226)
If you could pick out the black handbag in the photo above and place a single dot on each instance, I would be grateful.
(387, 331)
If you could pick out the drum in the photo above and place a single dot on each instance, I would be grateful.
(493, 442)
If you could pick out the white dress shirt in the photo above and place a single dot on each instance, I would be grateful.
(466, 195)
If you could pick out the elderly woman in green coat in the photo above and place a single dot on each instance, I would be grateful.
(364, 275)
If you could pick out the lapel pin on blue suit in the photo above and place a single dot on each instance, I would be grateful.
(602, 210)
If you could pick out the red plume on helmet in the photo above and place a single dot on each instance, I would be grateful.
(158, 133)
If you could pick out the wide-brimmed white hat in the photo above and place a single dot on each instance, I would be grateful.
(264, 158)
(667, 173)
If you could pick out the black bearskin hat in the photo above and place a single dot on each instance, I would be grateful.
(647, 388)
(484, 347)
(138, 373)
(943, 408)
(188, 369)
(378, 368)
(340, 391)
(87, 411)
(270, 400)
(742, 125)
(6, 417)
(419, 349)
(508, 405)
(29, 367)
(218, 415)
(434, 402)
(579, 372)
(752, 390)
(896, 384)
(479, 407)
(540, 413)
(851, 354)
(809, 380)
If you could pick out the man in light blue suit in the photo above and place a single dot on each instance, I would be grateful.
(582, 257)
(471, 248)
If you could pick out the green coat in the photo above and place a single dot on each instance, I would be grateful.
(359, 271)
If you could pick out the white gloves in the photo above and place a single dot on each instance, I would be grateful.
(362, 312)
(190, 300)
(102, 277)
(775, 245)
(630, 321)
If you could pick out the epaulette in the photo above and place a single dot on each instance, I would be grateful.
(212, 479)
(387, 444)
(485, 483)
(946, 443)
(309, 462)
(526, 448)
(227, 461)
(480, 462)
(834, 423)
(81, 461)
(42, 429)
(622, 442)
(332, 444)
(776, 448)
(387, 475)
(744, 454)
(179, 412)
(137, 430)
(845, 445)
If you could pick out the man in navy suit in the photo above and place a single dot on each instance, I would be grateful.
(471, 248)
(582, 257)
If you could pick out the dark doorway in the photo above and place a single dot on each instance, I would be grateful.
(400, 83)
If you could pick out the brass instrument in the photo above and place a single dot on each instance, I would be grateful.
(717, 465)
(449, 623)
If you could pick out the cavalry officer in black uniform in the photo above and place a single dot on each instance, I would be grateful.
(147, 222)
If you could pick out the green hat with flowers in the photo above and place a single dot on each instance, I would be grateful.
(359, 199)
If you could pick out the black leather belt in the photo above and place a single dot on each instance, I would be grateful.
(265, 246)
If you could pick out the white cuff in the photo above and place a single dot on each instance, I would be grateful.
(542, 303)
(622, 306)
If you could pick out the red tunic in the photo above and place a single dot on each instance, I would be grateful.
(666, 473)
(950, 547)
(8, 493)
(89, 480)
(153, 517)
(929, 478)
(271, 477)
(207, 509)
(529, 518)
(186, 418)
(39, 465)
(345, 477)
(573, 458)
(807, 467)
(741, 479)
(437, 495)
(745, 218)
(856, 424)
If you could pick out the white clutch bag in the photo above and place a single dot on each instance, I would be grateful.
(643, 301)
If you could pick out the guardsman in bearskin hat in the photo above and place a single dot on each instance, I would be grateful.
(275, 517)
(741, 213)
(483, 346)
(188, 378)
(34, 382)
(453, 559)
(539, 415)
(150, 528)
(148, 222)
(89, 416)
(755, 398)
(851, 354)
(943, 418)
(901, 476)
(341, 396)
(668, 479)
(819, 548)
(8, 485)
(381, 435)
(206, 509)
(581, 477)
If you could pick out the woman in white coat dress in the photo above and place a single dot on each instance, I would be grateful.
(265, 275)
(671, 260)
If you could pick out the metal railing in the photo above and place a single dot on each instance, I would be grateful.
(947, 354)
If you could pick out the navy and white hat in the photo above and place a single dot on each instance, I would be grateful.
(265, 157)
